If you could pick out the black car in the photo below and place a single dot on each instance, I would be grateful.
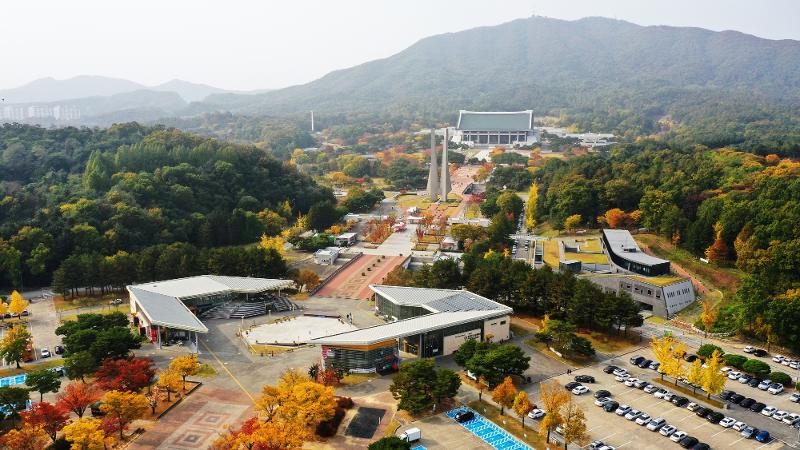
(584, 378)
(636, 360)
(611, 406)
(726, 395)
(736, 398)
(571, 385)
(465, 416)
(757, 407)
(714, 417)
(58, 349)
(645, 364)
(746, 403)
(688, 442)
(703, 412)
(760, 353)
(689, 357)
(680, 401)
(754, 382)
(610, 369)
(602, 393)
(701, 446)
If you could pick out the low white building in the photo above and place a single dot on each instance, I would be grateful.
(326, 256)
(495, 128)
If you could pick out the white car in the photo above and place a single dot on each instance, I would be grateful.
(795, 365)
(739, 426)
(775, 389)
(667, 430)
(734, 375)
(780, 415)
(644, 419)
(619, 372)
(764, 385)
(791, 419)
(692, 406)
(769, 411)
(727, 422)
(778, 358)
(45, 353)
(536, 414)
(623, 409)
(601, 401)
(660, 393)
(749, 349)
(787, 362)
(633, 414)
(795, 398)
(668, 396)
(677, 436)
(650, 388)
(656, 424)
(622, 377)
(580, 390)
(725, 369)
(631, 381)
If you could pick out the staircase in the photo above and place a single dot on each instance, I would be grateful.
(258, 306)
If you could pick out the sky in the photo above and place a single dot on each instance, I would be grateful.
(257, 44)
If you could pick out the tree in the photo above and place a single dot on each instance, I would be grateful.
(572, 222)
(131, 374)
(3, 310)
(574, 424)
(713, 378)
(706, 350)
(418, 385)
(696, 374)
(85, 434)
(522, 406)
(669, 355)
(447, 384)
(125, 407)
(170, 381)
(13, 400)
(756, 367)
(718, 251)
(14, 344)
(781, 378)
(185, 365)
(77, 397)
(390, 443)
(307, 279)
(553, 397)
(49, 417)
(504, 394)
(17, 303)
(708, 317)
(29, 437)
(42, 381)
(79, 365)
(736, 361)
(494, 362)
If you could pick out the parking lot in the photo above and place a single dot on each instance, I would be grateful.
(618, 432)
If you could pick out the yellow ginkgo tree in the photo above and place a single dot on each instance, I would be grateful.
(17, 303)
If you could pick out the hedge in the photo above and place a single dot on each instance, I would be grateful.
(706, 350)
(327, 428)
(756, 367)
(736, 361)
(780, 377)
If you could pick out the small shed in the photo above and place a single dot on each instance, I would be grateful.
(346, 239)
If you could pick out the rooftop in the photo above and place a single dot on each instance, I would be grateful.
(212, 284)
(167, 311)
(621, 243)
(439, 300)
(495, 121)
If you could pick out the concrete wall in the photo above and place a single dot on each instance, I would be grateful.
(451, 343)
(499, 328)
(679, 296)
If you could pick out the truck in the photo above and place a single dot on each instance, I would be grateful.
(411, 435)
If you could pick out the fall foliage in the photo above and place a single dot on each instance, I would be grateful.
(504, 394)
(553, 397)
(76, 397)
(47, 416)
(185, 365)
(125, 374)
(86, 434)
(170, 381)
(125, 407)
(29, 437)
(522, 406)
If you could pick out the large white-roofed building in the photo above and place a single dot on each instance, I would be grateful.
(164, 310)
(495, 128)
(423, 322)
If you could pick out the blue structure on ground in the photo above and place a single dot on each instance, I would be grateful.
(489, 432)
(419, 447)
(11, 381)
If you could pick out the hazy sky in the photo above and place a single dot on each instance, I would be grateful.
(250, 44)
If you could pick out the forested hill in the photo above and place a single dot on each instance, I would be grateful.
(96, 192)
(593, 64)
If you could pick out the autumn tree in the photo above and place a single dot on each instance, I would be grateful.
(572, 222)
(695, 374)
(29, 437)
(170, 381)
(77, 397)
(522, 406)
(553, 397)
(17, 303)
(13, 400)
(3, 310)
(306, 279)
(718, 250)
(49, 417)
(708, 317)
(574, 424)
(616, 218)
(131, 374)
(14, 344)
(125, 407)
(86, 434)
(42, 381)
(669, 353)
(504, 394)
(185, 365)
(713, 378)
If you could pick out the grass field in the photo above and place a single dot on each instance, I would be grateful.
(63, 304)
(590, 245)
(588, 258)
(658, 281)
(123, 308)
(551, 256)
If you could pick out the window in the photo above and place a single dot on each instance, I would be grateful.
(502, 322)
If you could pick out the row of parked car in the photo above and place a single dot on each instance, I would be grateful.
(786, 417)
(659, 424)
(744, 378)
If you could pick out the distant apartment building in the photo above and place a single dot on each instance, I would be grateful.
(66, 113)
(13, 113)
(39, 111)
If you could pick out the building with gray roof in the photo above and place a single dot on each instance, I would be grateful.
(625, 253)
(495, 128)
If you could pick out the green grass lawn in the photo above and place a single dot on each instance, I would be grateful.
(65, 304)
(123, 308)
(588, 258)
(551, 256)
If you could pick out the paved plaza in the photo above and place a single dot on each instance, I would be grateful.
(296, 330)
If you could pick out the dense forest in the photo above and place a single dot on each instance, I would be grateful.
(98, 192)
(731, 207)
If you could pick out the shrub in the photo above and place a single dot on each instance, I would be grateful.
(327, 428)
(344, 402)
(736, 361)
(797, 386)
(756, 367)
(780, 377)
(390, 443)
(706, 350)
(543, 336)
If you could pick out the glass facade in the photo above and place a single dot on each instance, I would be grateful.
(356, 360)
(399, 312)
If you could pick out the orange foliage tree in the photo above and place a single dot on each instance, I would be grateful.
(77, 397)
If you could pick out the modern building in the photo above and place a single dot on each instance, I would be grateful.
(664, 296)
(326, 256)
(167, 310)
(497, 128)
(627, 257)
(345, 239)
(423, 322)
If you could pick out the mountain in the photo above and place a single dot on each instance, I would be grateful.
(52, 90)
(548, 65)
(195, 92)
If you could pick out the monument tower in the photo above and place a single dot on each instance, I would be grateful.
(445, 178)
(433, 172)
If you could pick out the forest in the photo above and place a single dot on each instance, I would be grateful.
(75, 192)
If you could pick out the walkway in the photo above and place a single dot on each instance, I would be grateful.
(353, 281)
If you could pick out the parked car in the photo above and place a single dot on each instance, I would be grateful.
(715, 417)
(645, 364)
(116, 301)
(780, 415)
(623, 409)
(775, 388)
(739, 426)
(619, 371)
(596, 445)
(667, 430)
(757, 407)
(622, 377)
(736, 398)
(45, 353)
(688, 442)
(792, 419)
(702, 412)
(795, 398)
(677, 436)
(635, 360)
(744, 378)
(571, 385)
(761, 353)
(727, 422)
(654, 365)
(411, 435)
(764, 384)
(630, 381)
(536, 414)
(633, 414)
(763, 436)
(610, 406)
(749, 349)
(692, 406)
(725, 395)
(643, 419)
(778, 358)
(749, 432)
(689, 357)
(650, 388)
(610, 369)
(464, 416)
(679, 401)
(640, 384)
(584, 378)
(601, 401)
(580, 390)
(58, 350)
(669, 396)
(602, 393)
(769, 411)
(660, 393)
(701, 446)
(656, 424)
(754, 382)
